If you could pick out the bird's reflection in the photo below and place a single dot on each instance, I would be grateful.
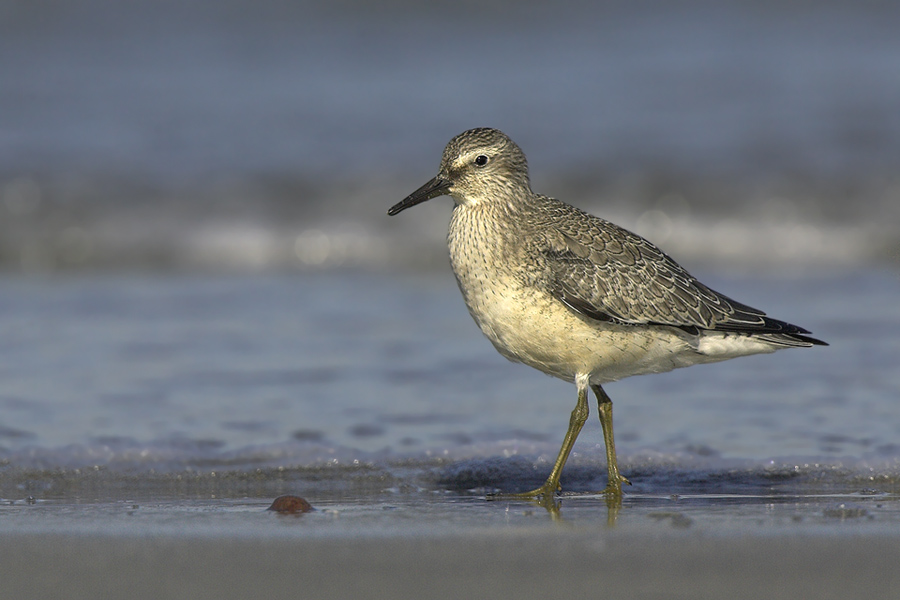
(553, 504)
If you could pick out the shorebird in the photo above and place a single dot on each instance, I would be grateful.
(574, 295)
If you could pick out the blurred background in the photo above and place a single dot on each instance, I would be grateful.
(196, 262)
(252, 135)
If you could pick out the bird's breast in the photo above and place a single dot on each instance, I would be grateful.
(520, 317)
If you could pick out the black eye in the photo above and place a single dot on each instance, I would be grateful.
(481, 160)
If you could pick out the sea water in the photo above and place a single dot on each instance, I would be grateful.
(319, 373)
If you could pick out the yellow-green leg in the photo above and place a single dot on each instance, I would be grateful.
(604, 407)
(576, 422)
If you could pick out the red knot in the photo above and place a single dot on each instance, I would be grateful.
(574, 295)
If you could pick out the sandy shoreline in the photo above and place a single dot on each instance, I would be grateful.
(142, 539)
(446, 546)
(502, 564)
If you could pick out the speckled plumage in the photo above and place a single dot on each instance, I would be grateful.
(576, 296)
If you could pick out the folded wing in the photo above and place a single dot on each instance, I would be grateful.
(606, 273)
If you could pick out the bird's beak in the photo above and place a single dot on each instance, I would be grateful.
(434, 188)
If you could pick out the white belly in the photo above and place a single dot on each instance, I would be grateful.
(541, 332)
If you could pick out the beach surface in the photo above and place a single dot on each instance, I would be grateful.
(413, 545)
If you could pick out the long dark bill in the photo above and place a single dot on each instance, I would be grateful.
(434, 188)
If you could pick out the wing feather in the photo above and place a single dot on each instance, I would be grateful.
(606, 273)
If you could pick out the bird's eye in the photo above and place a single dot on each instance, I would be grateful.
(481, 160)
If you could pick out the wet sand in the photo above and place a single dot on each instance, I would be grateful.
(498, 565)
(450, 547)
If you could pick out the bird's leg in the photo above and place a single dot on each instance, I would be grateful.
(576, 422)
(604, 407)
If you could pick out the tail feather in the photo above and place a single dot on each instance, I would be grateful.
(794, 340)
(774, 331)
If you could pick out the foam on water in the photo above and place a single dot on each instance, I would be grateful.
(49, 227)
(478, 469)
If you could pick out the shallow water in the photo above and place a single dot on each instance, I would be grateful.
(370, 381)
(439, 515)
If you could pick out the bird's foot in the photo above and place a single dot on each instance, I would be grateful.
(615, 486)
(544, 496)
(546, 491)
